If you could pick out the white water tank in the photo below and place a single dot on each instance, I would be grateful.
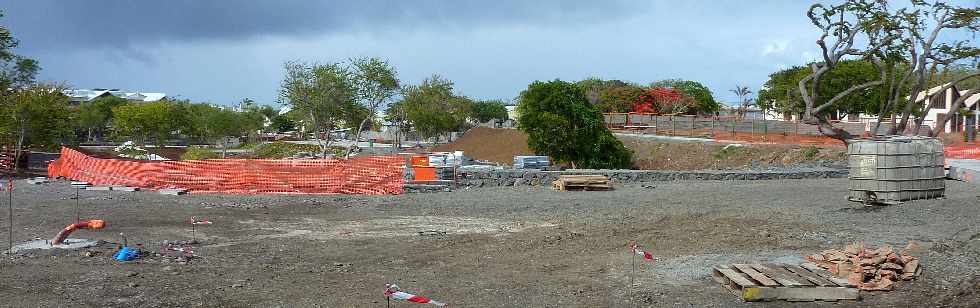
(890, 170)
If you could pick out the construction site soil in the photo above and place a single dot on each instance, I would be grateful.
(490, 247)
(501, 145)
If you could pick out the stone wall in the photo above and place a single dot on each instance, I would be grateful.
(512, 177)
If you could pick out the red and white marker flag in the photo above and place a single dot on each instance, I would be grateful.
(194, 221)
(392, 291)
(645, 254)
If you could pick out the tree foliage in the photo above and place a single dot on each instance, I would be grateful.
(95, 116)
(905, 45)
(36, 116)
(432, 107)
(704, 100)
(488, 110)
(561, 123)
(322, 93)
(782, 94)
(142, 121)
(16, 71)
(376, 83)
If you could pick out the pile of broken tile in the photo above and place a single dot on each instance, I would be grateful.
(870, 269)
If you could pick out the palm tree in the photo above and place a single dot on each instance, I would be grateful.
(743, 99)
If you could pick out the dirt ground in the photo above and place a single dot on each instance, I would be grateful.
(493, 247)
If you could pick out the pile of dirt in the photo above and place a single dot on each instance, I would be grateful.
(651, 154)
(497, 145)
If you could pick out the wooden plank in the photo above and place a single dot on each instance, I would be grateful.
(813, 268)
(738, 278)
(810, 276)
(754, 274)
(781, 275)
(801, 294)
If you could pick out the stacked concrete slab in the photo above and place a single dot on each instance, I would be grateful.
(967, 170)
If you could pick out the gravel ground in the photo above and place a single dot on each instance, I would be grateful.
(480, 247)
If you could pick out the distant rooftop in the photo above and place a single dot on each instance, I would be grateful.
(84, 95)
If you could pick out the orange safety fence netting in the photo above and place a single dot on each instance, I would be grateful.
(962, 151)
(369, 175)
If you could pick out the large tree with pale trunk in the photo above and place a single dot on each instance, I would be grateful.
(908, 45)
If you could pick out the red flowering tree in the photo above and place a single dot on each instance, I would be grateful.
(663, 101)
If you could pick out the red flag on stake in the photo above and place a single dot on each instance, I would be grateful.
(645, 254)
(194, 221)
(392, 291)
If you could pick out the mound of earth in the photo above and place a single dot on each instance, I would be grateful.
(501, 145)
(498, 145)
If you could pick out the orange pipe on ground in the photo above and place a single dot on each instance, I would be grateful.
(94, 224)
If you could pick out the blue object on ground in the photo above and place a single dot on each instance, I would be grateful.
(127, 254)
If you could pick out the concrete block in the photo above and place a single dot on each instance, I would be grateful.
(125, 188)
(99, 188)
(172, 192)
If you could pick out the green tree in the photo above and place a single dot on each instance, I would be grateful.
(619, 99)
(488, 110)
(15, 71)
(282, 123)
(744, 102)
(433, 108)
(782, 93)
(704, 101)
(35, 117)
(95, 116)
(140, 121)
(376, 82)
(322, 93)
(560, 123)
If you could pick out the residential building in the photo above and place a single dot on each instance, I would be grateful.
(941, 102)
(78, 96)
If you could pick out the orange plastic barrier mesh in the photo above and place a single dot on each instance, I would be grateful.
(369, 175)
(962, 151)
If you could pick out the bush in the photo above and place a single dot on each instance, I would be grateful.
(810, 152)
(199, 153)
(560, 123)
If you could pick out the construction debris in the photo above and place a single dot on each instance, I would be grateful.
(582, 182)
(870, 269)
(38, 180)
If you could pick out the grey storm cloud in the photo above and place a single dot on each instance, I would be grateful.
(116, 24)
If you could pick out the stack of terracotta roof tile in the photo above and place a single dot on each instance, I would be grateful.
(870, 269)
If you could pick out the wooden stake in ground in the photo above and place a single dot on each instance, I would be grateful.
(10, 213)
(77, 209)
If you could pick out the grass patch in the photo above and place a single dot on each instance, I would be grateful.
(199, 153)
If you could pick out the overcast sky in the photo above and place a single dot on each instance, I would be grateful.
(223, 51)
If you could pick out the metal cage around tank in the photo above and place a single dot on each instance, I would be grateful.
(890, 170)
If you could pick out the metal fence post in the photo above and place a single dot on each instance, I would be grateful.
(656, 125)
(694, 120)
(673, 126)
(733, 127)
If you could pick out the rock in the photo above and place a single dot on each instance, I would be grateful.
(237, 285)
(131, 274)
(132, 284)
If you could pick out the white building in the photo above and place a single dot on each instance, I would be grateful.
(77, 96)
(941, 102)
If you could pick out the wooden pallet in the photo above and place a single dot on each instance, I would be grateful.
(582, 182)
(766, 282)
